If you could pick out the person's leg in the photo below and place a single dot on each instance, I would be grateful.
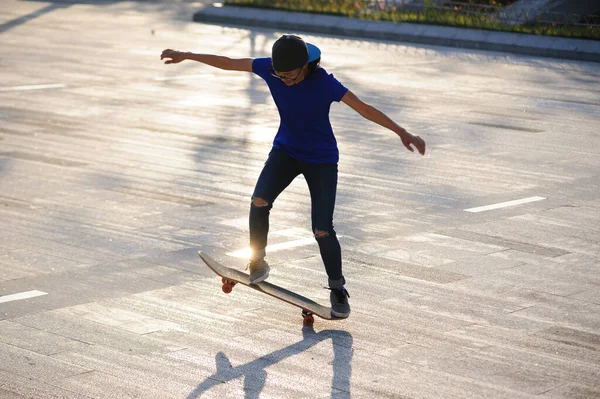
(277, 174)
(322, 183)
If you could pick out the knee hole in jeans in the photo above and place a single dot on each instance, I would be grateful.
(321, 234)
(259, 202)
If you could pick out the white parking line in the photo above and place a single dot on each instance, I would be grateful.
(504, 204)
(33, 87)
(21, 295)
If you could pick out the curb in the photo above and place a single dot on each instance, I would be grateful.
(540, 46)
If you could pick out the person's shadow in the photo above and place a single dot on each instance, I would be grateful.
(255, 375)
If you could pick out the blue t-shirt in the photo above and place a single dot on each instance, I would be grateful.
(305, 132)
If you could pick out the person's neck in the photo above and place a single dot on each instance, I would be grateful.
(302, 76)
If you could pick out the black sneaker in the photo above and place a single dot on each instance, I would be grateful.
(339, 303)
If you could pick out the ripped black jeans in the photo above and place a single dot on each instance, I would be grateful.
(279, 171)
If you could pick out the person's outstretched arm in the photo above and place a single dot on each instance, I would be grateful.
(373, 114)
(217, 61)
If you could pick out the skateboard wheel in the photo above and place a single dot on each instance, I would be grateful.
(309, 320)
(227, 288)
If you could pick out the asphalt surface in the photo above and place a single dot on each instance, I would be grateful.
(473, 271)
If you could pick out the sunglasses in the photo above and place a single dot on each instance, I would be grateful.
(285, 78)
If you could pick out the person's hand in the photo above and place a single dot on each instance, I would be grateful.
(175, 56)
(408, 140)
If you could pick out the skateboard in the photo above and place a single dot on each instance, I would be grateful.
(230, 277)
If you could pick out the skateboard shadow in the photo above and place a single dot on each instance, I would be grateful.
(255, 375)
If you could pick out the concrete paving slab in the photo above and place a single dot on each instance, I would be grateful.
(139, 371)
(82, 286)
(393, 381)
(33, 365)
(165, 274)
(502, 241)
(27, 387)
(562, 351)
(404, 269)
(480, 266)
(504, 373)
(575, 314)
(537, 278)
(572, 391)
(122, 319)
(35, 340)
(68, 326)
(99, 385)
(589, 295)
(197, 307)
(10, 395)
(9, 310)
(546, 366)
(27, 263)
(8, 272)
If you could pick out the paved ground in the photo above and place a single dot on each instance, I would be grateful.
(115, 169)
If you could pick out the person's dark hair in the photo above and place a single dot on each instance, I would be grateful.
(289, 52)
(313, 65)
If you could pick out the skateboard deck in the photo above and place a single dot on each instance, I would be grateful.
(230, 277)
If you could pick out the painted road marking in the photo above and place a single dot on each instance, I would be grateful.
(246, 252)
(22, 295)
(33, 87)
(504, 204)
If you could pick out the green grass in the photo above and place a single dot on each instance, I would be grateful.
(433, 16)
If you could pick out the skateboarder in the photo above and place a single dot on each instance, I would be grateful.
(304, 144)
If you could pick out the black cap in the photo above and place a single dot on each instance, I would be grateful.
(289, 52)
